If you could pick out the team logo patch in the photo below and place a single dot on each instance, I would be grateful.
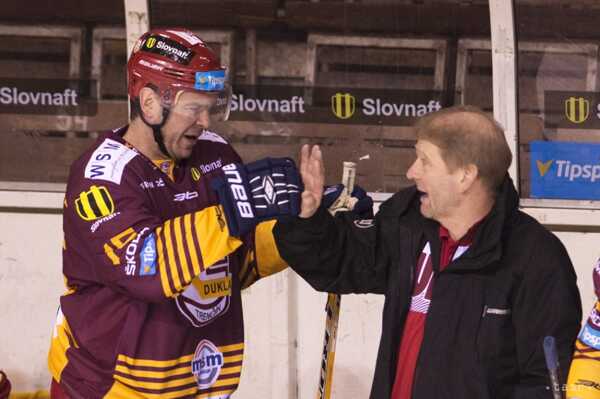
(207, 364)
(590, 336)
(148, 256)
(210, 80)
(364, 223)
(577, 109)
(343, 105)
(195, 173)
(168, 48)
(94, 203)
(209, 295)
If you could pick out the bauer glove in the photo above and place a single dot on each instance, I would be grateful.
(258, 191)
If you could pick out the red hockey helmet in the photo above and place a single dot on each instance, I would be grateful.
(175, 60)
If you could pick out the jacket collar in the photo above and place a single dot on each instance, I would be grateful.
(486, 247)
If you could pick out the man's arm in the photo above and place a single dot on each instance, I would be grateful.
(547, 303)
(335, 255)
(130, 248)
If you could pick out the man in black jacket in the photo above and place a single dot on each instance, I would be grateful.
(472, 284)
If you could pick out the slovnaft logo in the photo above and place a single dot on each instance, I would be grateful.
(571, 110)
(47, 96)
(168, 48)
(332, 105)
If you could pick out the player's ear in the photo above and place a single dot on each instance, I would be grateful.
(150, 105)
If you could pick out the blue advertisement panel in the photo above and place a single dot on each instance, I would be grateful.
(565, 170)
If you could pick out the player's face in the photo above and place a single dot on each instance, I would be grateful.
(188, 118)
(439, 187)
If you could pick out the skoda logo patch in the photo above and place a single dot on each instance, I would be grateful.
(206, 364)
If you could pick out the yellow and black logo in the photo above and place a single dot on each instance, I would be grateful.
(195, 174)
(94, 203)
(343, 105)
(151, 42)
(543, 167)
(577, 109)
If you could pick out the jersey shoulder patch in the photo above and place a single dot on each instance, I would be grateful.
(108, 161)
(212, 136)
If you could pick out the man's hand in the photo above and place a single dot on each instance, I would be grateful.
(261, 190)
(313, 177)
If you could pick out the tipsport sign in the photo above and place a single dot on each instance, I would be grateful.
(571, 110)
(565, 170)
(332, 105)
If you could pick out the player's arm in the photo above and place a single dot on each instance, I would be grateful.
(546, 303)
(128, 247)
(584, 376)
(261, 257)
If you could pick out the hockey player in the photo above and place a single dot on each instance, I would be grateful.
(4, 386)
(584, 376)
(150, 260)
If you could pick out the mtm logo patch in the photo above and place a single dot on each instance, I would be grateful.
(94, 203)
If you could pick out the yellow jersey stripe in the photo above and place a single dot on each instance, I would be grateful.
(231, 370)
(215, 394)
(120, 391)
(162, 267)
(231, 348)
(171, 257)
(154, 363)
(181, 252)
(60, 343)
(191, 246)
(268, 259)
(231, 359)
(180, 371)
(226, 382)
(111, 255)
(155, 385)
(214, 243)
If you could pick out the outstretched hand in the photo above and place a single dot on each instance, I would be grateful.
(313, 177)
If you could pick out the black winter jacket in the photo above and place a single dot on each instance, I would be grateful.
(490, 309)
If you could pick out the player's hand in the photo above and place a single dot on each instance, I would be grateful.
(261, 190)
(313, 177)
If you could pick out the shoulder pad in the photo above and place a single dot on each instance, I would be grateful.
(108, 161)
(212, 136)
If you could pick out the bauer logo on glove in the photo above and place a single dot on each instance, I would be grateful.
(261, 190)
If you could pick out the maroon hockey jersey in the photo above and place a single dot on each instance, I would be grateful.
(153, 307)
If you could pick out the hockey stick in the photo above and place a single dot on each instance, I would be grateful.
(551, 355)
(332, 308)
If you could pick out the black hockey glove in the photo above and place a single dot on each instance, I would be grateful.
(261, 190)
(358, 202)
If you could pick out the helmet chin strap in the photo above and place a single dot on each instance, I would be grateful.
(157, 132)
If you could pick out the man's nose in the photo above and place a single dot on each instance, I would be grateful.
(203, 119)
(412, 172)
